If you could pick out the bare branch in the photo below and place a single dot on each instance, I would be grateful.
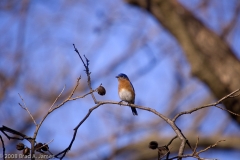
(78, 97)
(205, 106)
(86, 65)
(163, 151)
(195, 148)
(44, 145)
(227, 110)
(58, 106)
(25, 108)
(57, 98)
(169, 143)
(211, 146)
(63, 153)
(196, 154)
(73, 91)
(3, 155)
(100, 103)
(178, 132)
(170, 122)
(233, 96)
(4, 129)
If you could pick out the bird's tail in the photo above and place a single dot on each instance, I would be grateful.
(134, 111)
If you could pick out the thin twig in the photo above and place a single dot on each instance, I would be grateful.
(44, 145)
(57, 98)
(167, 153)
(4, 129)
(63, 153)
(25, 108)
(76, 50)
(233, 96)
(169, 143)
(227, 110)
(211, 146)
(53, 109)
(205, 106)
(195, 148)
(73, 91)
(86, 65)
(58, 106)
(3, 155)
(78, 97)
(196, 154)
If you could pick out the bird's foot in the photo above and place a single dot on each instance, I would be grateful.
(120, 103)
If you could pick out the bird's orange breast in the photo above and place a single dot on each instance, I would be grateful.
(125, 86)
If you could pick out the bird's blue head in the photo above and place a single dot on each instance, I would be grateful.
(121, 75)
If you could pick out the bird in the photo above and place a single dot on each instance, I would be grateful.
(126, 91)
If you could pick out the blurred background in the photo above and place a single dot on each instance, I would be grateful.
(178, 55)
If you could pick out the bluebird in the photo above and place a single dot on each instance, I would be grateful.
(126, 91)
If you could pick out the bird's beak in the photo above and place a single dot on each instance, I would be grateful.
(117, 76)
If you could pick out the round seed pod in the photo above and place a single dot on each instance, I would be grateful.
(20, 146)
(45, 147)
(38, 146)
(153, 145)
(101, 90)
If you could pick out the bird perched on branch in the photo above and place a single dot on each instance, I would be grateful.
(126, 91)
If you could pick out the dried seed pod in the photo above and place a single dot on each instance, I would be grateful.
(20, 146)
(38, 146)
(153, 145)
(163, 150)
(26, 151)
(45, 147)
(101, 90)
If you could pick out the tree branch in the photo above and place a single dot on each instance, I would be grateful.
(178, 132)
(26, 109)
(209, 105)
(3, 146)
(86, 65)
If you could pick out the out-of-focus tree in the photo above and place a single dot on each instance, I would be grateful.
(211, 58)
(149, 44)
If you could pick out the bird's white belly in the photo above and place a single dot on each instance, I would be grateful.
(125, 95)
